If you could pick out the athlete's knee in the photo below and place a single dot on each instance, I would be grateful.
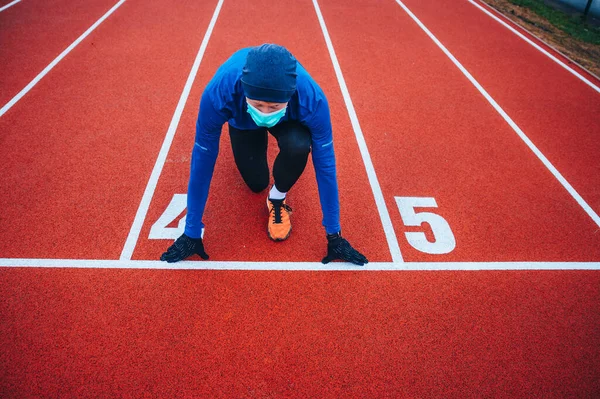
(256, 185)
(296, 142)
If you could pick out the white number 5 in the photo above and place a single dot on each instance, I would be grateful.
(444, 241)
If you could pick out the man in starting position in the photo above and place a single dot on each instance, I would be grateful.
(258, 90)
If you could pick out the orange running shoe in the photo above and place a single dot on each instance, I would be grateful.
(279, 227)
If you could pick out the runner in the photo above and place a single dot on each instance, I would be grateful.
(262, 90)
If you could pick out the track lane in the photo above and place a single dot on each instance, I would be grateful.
(108, 333)
(432, 134)
(79, 148)
(557, 111)
(34, 32)
(573, 68)
(236, 218)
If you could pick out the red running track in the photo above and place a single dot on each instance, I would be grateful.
(432, 134)
(34, 32)
(186, 333)
(556, 110)
(236, 218)
(132, 333)
(78, 149)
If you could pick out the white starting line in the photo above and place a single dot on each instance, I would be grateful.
(292, 266)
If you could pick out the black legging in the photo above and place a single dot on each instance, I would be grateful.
(250, 153)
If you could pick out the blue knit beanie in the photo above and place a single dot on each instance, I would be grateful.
(269, 74)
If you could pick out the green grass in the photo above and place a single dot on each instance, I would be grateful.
(572, 25)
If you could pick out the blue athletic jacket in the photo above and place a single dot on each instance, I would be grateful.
(223, 101)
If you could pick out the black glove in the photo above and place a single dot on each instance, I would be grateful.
(339, 248)
(184, 247)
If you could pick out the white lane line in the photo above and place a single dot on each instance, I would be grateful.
(140, 215)
(62, 55)
(388, 228)
(294, 266)
(553, 58)
(9, 5)
(507, 118)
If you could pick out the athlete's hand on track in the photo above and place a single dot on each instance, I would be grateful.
(184, 247)
(339, 248)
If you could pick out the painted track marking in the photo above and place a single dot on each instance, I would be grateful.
(140, 215)
(591, 213)
(9, 5)
(293, 266)
(62, 55)
(388, 228)
(536, 46)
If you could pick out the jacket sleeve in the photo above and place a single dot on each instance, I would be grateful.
(204, 156)
(324, 163)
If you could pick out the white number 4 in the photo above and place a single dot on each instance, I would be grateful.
(444, 241)
(159, 229)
